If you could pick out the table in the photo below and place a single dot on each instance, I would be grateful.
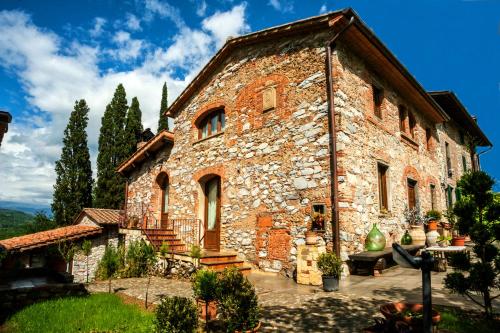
(440, 255)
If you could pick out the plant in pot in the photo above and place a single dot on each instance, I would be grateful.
(432, 218)
(237, 302)
(444, 241)
(176, 314)
(331, 267)
(205, 291)
(416, 223)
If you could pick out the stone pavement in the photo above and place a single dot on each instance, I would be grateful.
(288, 307)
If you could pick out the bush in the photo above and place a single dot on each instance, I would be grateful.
(330, 265)
(205, 285)
(433, 215)
(176, 315)
(139, 259)
(238, 304)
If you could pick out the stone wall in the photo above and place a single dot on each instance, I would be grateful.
(109, 237)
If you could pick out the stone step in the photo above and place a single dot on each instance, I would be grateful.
(159, 231)
(218, 258)
(159, 241)
(220, 265)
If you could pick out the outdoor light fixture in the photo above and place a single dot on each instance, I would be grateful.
(425, 263)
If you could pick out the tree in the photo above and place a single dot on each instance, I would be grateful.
(86, 250)
(133, 126)
(477, 214)
(73, 187)
(67, 250)
(109, 264)
(163, 120)
(113, 150)
(41, 222)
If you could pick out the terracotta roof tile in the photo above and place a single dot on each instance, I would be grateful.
(103, 216)
(44, 238)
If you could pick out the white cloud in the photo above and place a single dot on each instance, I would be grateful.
(55, 72)
(284, 6)
(164, 10)
(226, 24)
(99, 23)
(323, 9)
(132, 22)
(202, 8)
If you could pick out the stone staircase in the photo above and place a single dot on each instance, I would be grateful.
(212, 260)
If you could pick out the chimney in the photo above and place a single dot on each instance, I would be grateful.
(146, 135)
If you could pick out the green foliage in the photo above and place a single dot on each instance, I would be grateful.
(41, 222)
(176, 315)
(330, 265)
(195, 253)
(140, 259)
(14, 223)
(164, 249)
(478, 215)
(205, 285)
(73, 187)
(237, 299)
(109, 264)
(86, 247)
(460, 321)
(95, 313)
(67, 250)
(163, 120)
(133, 127)
(113, 150)
(433, 215)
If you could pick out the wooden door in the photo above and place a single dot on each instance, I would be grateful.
(412, 197)
(212, 214)
(164, 202)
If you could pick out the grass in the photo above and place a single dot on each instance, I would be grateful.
(459, 321)
(95, 313)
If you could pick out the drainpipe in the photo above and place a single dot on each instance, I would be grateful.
(334, 184)
(481, 153)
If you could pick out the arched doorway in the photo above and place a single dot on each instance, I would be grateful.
(162, 181)
(212, 193)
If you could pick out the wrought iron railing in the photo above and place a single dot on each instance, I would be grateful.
(189, 231)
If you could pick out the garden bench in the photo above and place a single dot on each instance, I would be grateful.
(376, 261)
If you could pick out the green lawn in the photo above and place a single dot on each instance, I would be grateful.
(95, 313)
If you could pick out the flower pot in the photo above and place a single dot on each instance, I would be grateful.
(311, 238)
(255, 329)
(375, 240)
(432, 225)
(212, 309)
(330, 283)
(417, 234)
(432, 237)
(458, 241)
(406, 239)
(400, 311)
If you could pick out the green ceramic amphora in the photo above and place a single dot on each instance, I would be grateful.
(375, 240)
(406, 239)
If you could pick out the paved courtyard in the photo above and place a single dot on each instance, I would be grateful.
(288, 307)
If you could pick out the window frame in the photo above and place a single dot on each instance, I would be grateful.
(205, 124)
(403, 114)
(448, 158)
(412, 187)
(433, 197)
(428, 138)
(412, 124)
(378, 100)
(383, 190)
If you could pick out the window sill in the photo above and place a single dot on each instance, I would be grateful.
(209, 137)
(409, 140)
(384, 214)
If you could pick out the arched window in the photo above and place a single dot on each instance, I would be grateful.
(211, 124)
(413, 124)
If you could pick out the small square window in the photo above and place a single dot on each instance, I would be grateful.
(378, 97)
(269, 99)
(318, 216)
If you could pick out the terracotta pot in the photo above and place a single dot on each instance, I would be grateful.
(432, 225)
(255, 329)
(458, 241)
(311, 238)
(417, 234)
(396, 310)
(212, 309)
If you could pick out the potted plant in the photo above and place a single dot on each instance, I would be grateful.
(237, 302)
(410, 313)
(331, 267)
(444, 241)
(457, 239)
(205, 291)
(416, 222)
(432, 217)
(176, 314)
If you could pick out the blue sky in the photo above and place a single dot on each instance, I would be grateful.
(54, 52)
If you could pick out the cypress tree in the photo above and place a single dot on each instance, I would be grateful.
(73, 187)
(113, 149)
(133, 127)
(163, 120)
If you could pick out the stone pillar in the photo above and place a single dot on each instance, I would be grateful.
(307, 268)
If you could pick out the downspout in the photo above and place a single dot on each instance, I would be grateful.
(481, 153)
(334, 184)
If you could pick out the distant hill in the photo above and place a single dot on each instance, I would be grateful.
(25, 207)
(13, 222)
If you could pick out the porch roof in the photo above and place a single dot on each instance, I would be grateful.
(48, 237)
(153, 145)
(100, 215)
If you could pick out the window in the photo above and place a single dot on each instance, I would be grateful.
(464, 163)
(412, 193)
(448, 158)
(269, 99)
(318, 220)
(433, 197)
(428, 138)
(449, 197)
(413, 124)
(378, 97)
(382, 187)
(462, 137)
(458, 194)
(213, 123)
(402, 118)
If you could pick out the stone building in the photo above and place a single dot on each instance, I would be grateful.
(315, 116)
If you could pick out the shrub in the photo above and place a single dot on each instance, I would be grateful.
(433, 215)
(238, 304)
(109, 264)
(139, 259)
(176, 315)
(330, 265)
(205, 286)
